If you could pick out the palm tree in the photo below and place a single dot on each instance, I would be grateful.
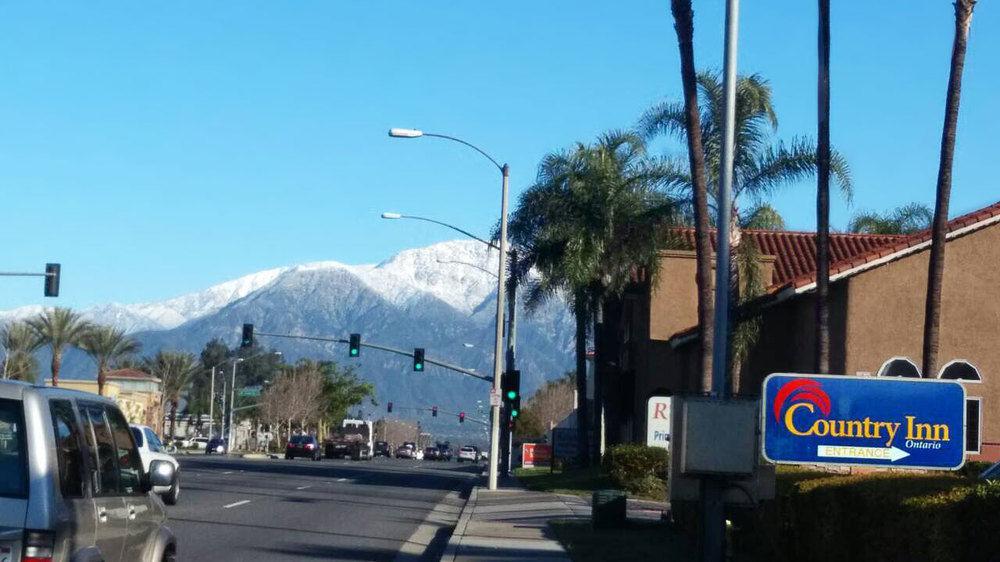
(822, 364)
(592, 218)
(19, 342)
(907, 219)
(107, 345)
(935, 268)
(691, 125)
(57, 328)
(175, 370)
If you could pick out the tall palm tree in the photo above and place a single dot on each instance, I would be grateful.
(691, 125)
(822, 355)
(935, 268)
(57, 328)
(175, 370)
(19, 343)
(592, 218)
(107, 345)
(907, 219)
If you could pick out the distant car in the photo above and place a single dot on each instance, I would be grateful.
(150, 449)
(468, 453)
(404, 452)
(382, 449)
(445, 453)
(199, 442)
(72, 483)
(217, 445)
(432, 454)
(303, 446)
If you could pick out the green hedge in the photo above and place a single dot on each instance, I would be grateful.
(874, 517)
(637, 468)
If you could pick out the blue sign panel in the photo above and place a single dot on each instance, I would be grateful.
(884, 421)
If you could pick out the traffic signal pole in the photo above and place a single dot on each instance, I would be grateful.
(498, 347)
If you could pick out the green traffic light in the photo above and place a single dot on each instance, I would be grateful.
(511, 394)
(354, 352)
(418, 366)
(513, 413)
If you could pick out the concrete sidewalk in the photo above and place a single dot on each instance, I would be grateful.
(511, 523)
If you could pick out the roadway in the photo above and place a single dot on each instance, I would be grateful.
(385, 509)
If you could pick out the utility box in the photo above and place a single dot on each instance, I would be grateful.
(719, 437)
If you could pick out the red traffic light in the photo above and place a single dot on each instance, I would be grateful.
(461, 417)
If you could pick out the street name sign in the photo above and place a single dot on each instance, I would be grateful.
(843, 420)
(250, 392)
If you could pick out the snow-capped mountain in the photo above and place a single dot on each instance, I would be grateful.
(440, 297)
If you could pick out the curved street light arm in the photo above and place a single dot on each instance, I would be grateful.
(468, 144)
(455, 228)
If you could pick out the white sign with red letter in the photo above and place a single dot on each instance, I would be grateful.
(658, 421)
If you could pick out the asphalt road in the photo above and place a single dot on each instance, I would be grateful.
(385, 509)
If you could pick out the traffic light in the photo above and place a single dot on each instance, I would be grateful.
(389, 405)
(418, 359)
(52, 279)
(434, 411)
(510, 386)
(247, 340)
(461, 417)
(355, 345)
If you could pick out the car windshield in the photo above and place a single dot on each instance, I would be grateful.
(13, 458)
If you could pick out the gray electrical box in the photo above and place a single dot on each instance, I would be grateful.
(719, 437)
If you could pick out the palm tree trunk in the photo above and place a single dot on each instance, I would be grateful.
(599, 358)
(101, 377)
(173, 418)
(56, 365)
(582, 411)
(935, 269)
(684, 26)
(734, 362)
(822, 364)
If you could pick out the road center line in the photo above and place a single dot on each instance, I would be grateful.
(236, 504)
(303, 487)
(342, 480)
(228, 472)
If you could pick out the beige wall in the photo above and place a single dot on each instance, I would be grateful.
(674, 297)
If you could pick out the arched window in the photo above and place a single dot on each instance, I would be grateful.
(959, 370)
(899, 367)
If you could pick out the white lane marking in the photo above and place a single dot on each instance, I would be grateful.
(228, 472)
(236, 504)
(303, 487)
(342, 480)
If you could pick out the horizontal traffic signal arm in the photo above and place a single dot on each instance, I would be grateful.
(427, 360)
(468, 418)
(51, 275)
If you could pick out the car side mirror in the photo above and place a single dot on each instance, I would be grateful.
(161, 473)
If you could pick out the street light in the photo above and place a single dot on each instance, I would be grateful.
(397, 216)
(232, 398)
(501, 289)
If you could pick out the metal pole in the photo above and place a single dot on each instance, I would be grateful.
(232, 404)
(713, 506)
(211, 407)
(222, 415)
(508, 436)
(498, 344)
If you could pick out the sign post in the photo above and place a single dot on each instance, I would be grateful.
(841, 420)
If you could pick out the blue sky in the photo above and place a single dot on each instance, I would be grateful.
(156, 149)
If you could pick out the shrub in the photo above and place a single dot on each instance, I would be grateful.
(637, 468)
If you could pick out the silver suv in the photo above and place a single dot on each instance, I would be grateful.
(72, 485)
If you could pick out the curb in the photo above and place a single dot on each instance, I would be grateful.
(451, 551)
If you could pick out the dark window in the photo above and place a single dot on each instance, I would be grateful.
(296, 439)
(972, 425)
(960, 371)
(126, 454)
(13, 454)
(900, 368)
(69, 454)
(154, 442)
(137, 433)
(102, 450)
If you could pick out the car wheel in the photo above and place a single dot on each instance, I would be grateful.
(175, 492)
(288, 457)
(169, 556)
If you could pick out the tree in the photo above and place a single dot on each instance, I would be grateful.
(175, 369)
(19, 342)
(692, 127)
(105, 344)
(822, 364)
(548, 406)
(935, 267)
(907, 219)
(57, 328)
(593, 217)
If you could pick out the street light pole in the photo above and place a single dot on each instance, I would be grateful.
(501, 288)
(232, 404)
(211, 406)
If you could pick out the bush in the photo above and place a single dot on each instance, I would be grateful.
(883, 516)
(637, 468)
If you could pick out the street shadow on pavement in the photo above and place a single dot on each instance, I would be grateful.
(306, 551)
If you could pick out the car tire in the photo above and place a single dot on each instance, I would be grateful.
(169, 556)
(288, 457)
(171, 497)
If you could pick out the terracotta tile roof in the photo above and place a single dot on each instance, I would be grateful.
(795, 252)
(845, 264)
(132, 374)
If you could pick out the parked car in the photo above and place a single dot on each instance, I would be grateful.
(303, 446)
(468, 453)
(382, 449)
(431, 454)
(150, 449)
(199, 442)
(405, 451)
(217, 445)
(89, 497)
